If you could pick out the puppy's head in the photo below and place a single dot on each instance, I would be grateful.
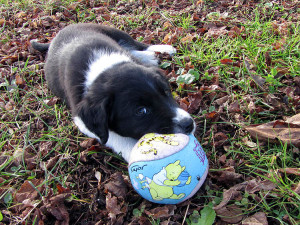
(132, 100)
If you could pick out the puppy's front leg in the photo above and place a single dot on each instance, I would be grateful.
(121, 144)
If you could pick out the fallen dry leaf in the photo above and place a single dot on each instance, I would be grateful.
(87, 143)
(161, 212)
(235, 31)
(215, 32)
(234, 107)
(296, 188)
(117, 185)
(213, 116)
(62, 190)
(229, 176)
(188, 38)
(55, 205)
(52, 101)
(194, 102)
(19, 80)
(226, 61)
(294, 171)
(52, 162)
(112, 205)
(258, 218)
(230, 214)
(230, 194)
(255, 185)
(268, 59)
(251, 186)
(276, 131)
(27, 190)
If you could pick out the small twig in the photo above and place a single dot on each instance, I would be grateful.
(187, 208)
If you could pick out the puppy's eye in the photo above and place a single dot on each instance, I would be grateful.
(142, 111)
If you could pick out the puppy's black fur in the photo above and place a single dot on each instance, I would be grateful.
(130, 98)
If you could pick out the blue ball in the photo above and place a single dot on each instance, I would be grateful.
(167, 168)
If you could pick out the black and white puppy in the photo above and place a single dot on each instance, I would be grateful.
(112, 85)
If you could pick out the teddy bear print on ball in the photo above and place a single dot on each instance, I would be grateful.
(167, 168)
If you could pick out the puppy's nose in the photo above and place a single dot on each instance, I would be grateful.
(187, 125)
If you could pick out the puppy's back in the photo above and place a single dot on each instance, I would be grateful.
(69, 55)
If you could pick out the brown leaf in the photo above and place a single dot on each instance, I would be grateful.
(254, 186)
(282, 70)
(222, 100)
(294, 171)
(87, 143)
(2, 21)
(167, 25)
(230, 194)
(194, 102)
(296, 188)
(222, 159)
(235, 31)
(45, 147)
(161, 212)
(55, 205)
(27, 191)
(184, 103)
(219, 139)
(294, 119)
(30, 160)
(268, 59)
(52, 101)
(215, 32)
(226, 61)
(251, 107)
(61, 189)
(51, 162)
(9, 106)
(188, 38)
(112, 205)
(258, 218)
(287, 132)
(117, 185)
(229, 176)
(170, 38)
(234, 107)
(230, 214)
(213, 116)
(19, 80)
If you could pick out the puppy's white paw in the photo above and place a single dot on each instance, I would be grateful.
(162, 49)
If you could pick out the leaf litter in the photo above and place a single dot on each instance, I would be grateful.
(97, 190)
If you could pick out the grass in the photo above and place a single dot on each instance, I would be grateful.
(263, 161)
(34, 125)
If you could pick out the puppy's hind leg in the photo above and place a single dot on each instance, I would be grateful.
(162, 49)
(148, 56)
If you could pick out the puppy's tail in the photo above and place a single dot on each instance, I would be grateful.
(41, 47)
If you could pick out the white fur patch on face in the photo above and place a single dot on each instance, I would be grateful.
(162, 48)
(80, 124)
(181, 115)
(102, 61)
(121, 145)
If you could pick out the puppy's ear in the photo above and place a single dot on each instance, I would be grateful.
(94, 116)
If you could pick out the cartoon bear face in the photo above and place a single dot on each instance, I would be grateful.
(174, 170)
